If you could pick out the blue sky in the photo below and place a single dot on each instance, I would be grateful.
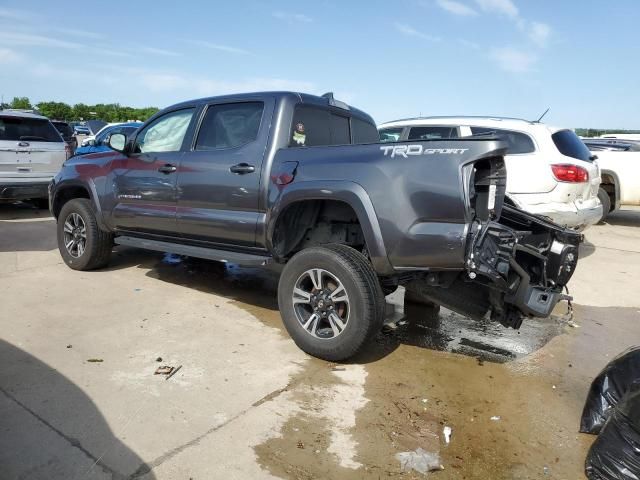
(391, 58)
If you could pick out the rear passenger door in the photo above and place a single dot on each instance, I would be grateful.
(219, 178)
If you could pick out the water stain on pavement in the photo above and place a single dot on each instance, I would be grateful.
(437, 370)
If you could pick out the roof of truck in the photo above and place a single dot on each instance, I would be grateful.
(300, 97)
(21, 114)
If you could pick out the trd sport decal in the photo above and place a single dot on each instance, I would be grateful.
(406, 150)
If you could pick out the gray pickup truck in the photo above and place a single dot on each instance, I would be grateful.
(302, 181)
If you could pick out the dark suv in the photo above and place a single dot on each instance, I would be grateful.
(301, 180)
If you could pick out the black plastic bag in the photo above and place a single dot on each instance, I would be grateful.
(615, 455)
(609, 388)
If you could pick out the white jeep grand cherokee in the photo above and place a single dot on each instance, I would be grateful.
(31, 154)
(550, 172)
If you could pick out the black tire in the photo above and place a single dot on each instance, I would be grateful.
(98, 243)
(604, 198)
(366, 301)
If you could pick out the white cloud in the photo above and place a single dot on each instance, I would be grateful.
(456, 8)
(9, 56)
(15, 14)
(468, 44)
(513, 60)
(539, 33)
(409, 31)
(293, 17)
(158, 51)
(504, 7)
(219, 47)
(28, 39)
(79, 33)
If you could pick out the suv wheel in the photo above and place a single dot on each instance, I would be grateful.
(82, 244)
(603, 196)
(330, 301)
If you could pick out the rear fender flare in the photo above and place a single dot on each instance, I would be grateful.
(348, 192)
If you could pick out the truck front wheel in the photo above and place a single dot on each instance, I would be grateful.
(82, 244)
(330, 301)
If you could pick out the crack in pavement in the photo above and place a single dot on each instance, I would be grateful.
(148, 466)
(74, 442)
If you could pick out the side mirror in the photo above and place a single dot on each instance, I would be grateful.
(118, 142)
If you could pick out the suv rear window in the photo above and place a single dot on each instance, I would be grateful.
(28, 130)
(390, 135)
(63, 128)
(432, 133)
(313, 127)
(570, 145)
(516, 142)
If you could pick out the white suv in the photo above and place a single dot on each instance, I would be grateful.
(550, 172)
(31, 154)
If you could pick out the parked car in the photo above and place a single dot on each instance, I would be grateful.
(101, 141)
(602, 144)
(67, 135)
(81, 130)
(299, 180)
(551, 172)
(31, 153)
(620, 172)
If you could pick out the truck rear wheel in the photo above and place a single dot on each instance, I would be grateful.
(82, 244)
(331, 301)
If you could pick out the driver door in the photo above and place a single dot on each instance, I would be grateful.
(144, 181)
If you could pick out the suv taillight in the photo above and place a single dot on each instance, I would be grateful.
(565, 172)
(67, 150)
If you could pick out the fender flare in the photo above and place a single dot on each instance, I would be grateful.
(348, 192)
(618, 186)
(90, 187)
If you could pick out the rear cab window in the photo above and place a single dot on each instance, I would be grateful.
(21, 129)
(570, 145)
(517, 142)
(314, 126)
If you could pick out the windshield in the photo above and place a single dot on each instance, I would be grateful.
(570, 145)
(28, 130)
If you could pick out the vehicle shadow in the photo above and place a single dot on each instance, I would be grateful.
(24, 227)
(255, 290)
(624, 218)
(51, 429)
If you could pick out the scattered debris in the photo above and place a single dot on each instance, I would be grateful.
(338, 369)
(546, 470)
(163, 370)
(553, 386)
(495, 418)
(171, 258)
(573, 324)
(175, 370)
(159, 359)
(446, 431)
(424, 400)
(95, 360)
(137, 289)
(420, 460)
(69, 346)
(300, 444)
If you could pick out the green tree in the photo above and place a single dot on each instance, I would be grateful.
(21, 102)
(56, 110)
(81, 112)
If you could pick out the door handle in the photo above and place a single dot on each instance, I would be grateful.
(168, 168)
(242, 168)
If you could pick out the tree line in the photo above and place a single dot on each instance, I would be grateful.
(594, 132)
(108, 112)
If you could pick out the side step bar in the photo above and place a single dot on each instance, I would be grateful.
(245, 259)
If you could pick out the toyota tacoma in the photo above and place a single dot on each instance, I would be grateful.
(301, 180)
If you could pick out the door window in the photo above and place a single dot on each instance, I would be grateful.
(164, 134)
(432, 133)
(363, 132)
(230, 125)
(516, 142)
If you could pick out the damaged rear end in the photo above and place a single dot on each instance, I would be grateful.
(517, 265)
